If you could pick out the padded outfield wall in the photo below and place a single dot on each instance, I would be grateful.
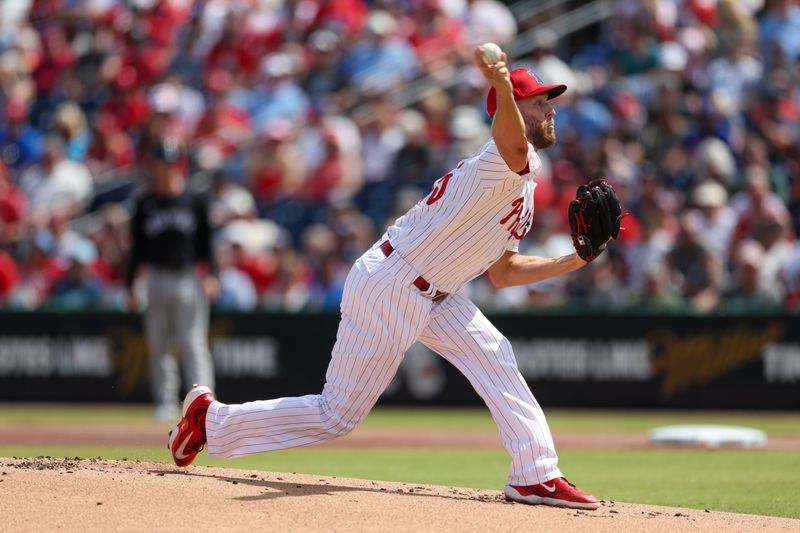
(741, 362)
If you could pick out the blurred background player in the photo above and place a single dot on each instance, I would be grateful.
(171, 235)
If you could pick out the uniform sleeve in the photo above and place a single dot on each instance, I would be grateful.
(512, 245)
(137, 244)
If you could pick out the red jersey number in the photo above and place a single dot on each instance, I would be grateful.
(438, 188)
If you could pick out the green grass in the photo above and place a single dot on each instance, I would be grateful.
(754, 482)
(785, 424)
(588, 419)
(74, 414)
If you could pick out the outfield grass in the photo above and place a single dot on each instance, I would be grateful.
(784, 424)
(747, 481)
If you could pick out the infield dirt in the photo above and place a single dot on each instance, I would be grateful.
(88, 495)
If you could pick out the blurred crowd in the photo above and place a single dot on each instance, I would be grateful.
(309, 131)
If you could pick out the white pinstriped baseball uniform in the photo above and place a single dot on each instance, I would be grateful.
(472, 216)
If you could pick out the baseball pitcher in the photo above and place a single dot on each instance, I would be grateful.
(408, 288)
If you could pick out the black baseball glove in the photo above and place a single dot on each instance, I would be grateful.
(594, 217)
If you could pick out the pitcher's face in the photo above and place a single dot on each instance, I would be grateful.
(539, 118)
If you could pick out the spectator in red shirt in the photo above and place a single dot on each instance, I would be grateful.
(39, 271)
(13, 205)
(276, 169)
(757, 205)
(58, 57)
(111, 148)
(351, 14)
(223, 125)
(234, 52)
(327, 177)
(9, 276)
(128, 102)
(437, 37)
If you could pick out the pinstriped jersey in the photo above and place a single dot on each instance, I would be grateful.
(471, 217)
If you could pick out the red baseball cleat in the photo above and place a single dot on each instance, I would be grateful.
(557, 492)
(188, 438)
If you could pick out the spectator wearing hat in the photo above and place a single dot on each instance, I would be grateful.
(78, 287)
(325, 80)
(183, 103)
(251, 244)
(712, 219)
(747, 292)
(171, 237)
(229, 201)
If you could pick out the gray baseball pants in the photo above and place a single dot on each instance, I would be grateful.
(177, 318)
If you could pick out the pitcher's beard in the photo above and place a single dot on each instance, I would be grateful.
(542, 137)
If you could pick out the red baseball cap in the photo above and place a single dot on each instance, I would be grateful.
(526, 84)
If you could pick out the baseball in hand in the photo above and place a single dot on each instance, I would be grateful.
(492, 53)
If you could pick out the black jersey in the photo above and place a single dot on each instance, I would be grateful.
(171, 233)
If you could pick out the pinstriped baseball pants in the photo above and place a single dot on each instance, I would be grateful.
(382, 316)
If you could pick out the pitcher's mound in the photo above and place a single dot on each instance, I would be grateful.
(44, 494)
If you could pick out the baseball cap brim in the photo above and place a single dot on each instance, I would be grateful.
(553, 90)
